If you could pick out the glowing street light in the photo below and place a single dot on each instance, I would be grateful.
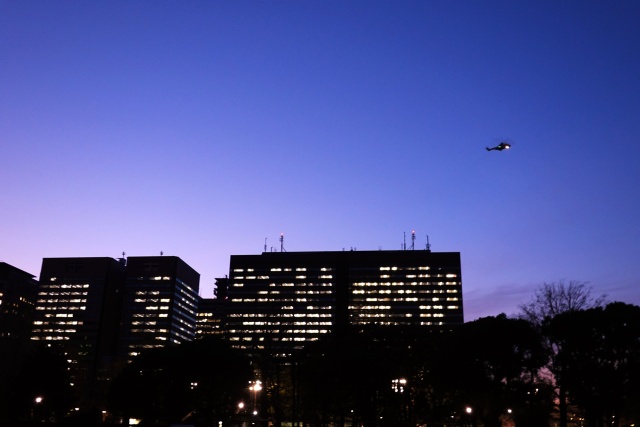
(256, 387)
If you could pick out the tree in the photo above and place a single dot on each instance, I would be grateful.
(598, 360)
(554, 298)
(500, 361)
(202, 380)
(41, 390)
(551, 300)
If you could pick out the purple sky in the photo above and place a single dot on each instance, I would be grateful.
(200, 128)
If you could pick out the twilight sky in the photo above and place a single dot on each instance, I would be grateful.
(200, 128)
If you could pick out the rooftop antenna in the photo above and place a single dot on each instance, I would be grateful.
(282, 242)
(265, 244)
(428, 244)
(161, 253)
(404, 241)
(413, 240)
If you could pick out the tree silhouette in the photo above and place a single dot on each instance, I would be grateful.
(202, 380)
(598, 360)
(549, 301)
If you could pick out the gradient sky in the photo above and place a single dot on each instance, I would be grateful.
(200, 128)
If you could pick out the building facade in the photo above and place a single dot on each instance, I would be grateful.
(160, 304)
(18, 293)
(211, 311)
(279, 301)
(78, 311)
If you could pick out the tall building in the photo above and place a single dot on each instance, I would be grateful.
(18, 292)
(160, 304)
(279, 301)
(78, 310)
(211, 310)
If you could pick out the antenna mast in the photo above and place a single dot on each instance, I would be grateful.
(282, 242)
(413, 240)
(428, 244)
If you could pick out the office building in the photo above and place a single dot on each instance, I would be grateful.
(211, 310)
(279, 301)
(160, 304)
(78, 311)
(18, 293)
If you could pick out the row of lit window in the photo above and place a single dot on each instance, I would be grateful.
(50, 338)
(51, 331)
(406, 291)
(373, 299)
(404, 268)
(185, 285)
(59, 322)
(150, 300)
(388, 307)
(141, 293)
(151, 315)
(63, 293)
(280, 331)
(65, 285)
(278, 300)
(240, 270)
(365, 322)
(291, 284)
(381, 284)
(287, 323)
(45, 308)
(385, 315)
(62, 301)
(297, 292)
(322, 276)
(279, 314)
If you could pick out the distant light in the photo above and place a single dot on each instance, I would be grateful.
(38, 399)
(468, 409)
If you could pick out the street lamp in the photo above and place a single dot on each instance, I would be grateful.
(469, 410)
(37, 401)
(256, 387)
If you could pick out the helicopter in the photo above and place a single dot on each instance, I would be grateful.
(502, 146)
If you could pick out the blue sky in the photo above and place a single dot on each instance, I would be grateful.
(200, 128)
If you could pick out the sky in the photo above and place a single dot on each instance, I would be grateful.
(203, 129)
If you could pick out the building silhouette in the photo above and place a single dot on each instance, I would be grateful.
(159, 305)
(211, 311)
(77, 313)
(280, 301)
(18, 294)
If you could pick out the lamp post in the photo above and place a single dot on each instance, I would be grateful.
(469, 411)
(255, 388)
(36, 402)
